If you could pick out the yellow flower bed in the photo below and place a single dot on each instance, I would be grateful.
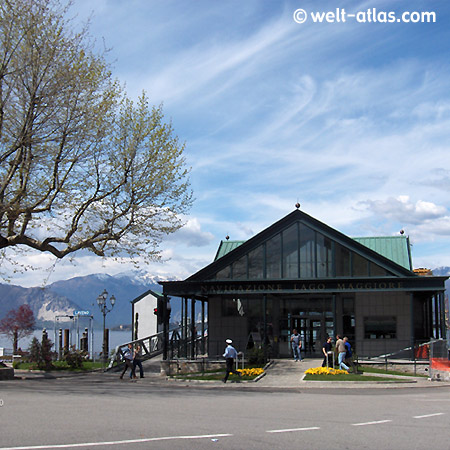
(251, 372)
(325, 371)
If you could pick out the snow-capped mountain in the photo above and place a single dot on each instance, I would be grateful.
(80, 293)
(44, 303)
(441, 271)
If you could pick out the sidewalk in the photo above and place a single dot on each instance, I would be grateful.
(288, 374)
(282, 374)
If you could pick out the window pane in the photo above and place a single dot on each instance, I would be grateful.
(342, 261)
(224, 274)
(233, 307)
(360, 266)
(240, 269)
(377, 271)
(290, 252)
(307, 254)
(324, 257)
(380, 327)
(255, 264)
(273, 257)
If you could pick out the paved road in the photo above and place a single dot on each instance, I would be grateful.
(99, 411)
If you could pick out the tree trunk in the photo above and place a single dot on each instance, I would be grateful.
(15, 342)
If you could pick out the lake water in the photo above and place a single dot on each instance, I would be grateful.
(115, 338)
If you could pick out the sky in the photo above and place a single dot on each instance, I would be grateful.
(351, 119)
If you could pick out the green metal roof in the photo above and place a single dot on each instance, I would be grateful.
(226, 247)
(395, 248)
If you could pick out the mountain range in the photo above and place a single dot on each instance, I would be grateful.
(80, 293)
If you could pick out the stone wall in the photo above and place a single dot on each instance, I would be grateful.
(175, 367)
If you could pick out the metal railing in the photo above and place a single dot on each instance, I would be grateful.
(178, 347)
(417, 354)
(151, 346)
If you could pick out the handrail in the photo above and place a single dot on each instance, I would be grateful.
(153, 346)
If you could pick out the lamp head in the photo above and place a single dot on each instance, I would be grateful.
(100, 300)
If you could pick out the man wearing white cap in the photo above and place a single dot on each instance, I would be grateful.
(230, 355)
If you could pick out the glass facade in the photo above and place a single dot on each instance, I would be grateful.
(299, 274)
(299, 252)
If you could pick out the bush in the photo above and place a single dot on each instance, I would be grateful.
(256, 356)
(41, 353)
(74, 358)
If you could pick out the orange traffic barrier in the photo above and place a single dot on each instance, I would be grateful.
(440, 364)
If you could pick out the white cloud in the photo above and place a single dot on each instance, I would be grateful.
(351, 120)
(403, 210)
(191, 235)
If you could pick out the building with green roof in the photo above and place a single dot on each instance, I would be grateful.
(301, 273)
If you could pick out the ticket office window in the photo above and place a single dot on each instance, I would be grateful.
(380, 327)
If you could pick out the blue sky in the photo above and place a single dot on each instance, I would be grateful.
(350, 119)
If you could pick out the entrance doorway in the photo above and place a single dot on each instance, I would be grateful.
(313, 329)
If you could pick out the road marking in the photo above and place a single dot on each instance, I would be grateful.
(370, 423)
(293, 429)
(428, 415)
(130, 441)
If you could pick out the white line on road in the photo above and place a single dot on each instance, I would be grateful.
(370, 423)
(130, 441)
(293, 429)
(433, 400)
(428, 415)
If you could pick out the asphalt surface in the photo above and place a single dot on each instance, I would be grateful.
(100, 411)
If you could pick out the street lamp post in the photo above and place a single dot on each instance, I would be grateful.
(103, 305)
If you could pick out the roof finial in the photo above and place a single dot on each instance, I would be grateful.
(297, 205)
(402, 231)
(227, 237)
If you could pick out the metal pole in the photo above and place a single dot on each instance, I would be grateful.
(54, 333)
(193, 333)
(77, 345)
(182, 317)
(289, 333)
(203, 327)
(442, 309)
(91, 324)
(60, 344)
(104, 338)
(265, 326)
(165, 330)
(411, 309)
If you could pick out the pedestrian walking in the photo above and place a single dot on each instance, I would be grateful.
(341, 350)
(328, 355)
(349, 355)
(230, 355)
(296, 344)
(128, 359)
(137, 361)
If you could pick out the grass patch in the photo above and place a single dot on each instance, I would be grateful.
(349, 377)
(248, 374)
(370, 369)
(60, 365)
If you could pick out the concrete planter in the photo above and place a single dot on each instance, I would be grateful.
(176, 367)
(6, 373)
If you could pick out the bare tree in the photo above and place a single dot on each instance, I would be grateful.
(81, 165)
(17, 324)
